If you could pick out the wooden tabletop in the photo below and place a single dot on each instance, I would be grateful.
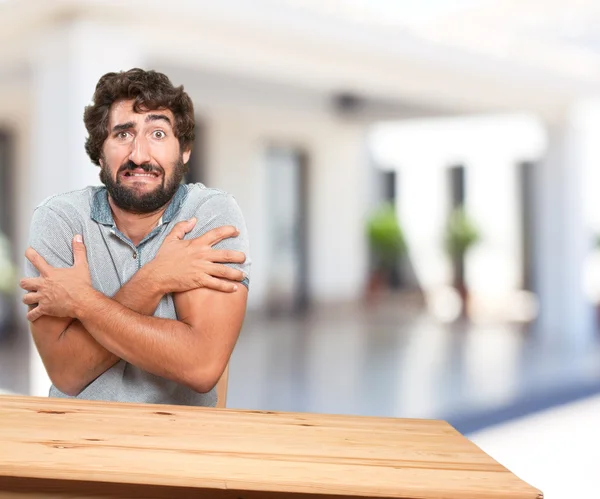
(76, 448)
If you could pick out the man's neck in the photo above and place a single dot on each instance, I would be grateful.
(136, 226)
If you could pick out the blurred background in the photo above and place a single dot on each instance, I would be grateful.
(419, 180)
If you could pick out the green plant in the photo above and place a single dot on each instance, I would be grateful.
(461, 233)
(386, 238)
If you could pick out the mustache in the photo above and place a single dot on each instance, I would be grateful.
(148, 168)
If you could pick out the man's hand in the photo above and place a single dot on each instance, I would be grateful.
(182, 265)
(58, 291)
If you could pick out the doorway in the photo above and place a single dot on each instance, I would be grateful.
(287, 177)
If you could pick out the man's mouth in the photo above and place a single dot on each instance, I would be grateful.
(140, 174)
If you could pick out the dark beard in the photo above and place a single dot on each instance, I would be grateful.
(127, 199)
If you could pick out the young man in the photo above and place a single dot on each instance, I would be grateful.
(137, 290)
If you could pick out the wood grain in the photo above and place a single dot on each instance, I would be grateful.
(74, 448)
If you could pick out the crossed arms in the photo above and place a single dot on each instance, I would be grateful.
(80, 333)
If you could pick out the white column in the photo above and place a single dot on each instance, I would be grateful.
(338, 251)
(66, 66)
(561, 239)
(494, 264)
(422, 211)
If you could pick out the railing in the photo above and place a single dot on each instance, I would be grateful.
(73, 448)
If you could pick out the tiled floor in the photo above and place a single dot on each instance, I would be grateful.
(387, 361)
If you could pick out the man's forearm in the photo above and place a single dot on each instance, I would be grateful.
(139, 294)
(150, 343)
(73, 354)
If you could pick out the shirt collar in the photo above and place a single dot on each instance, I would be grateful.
(102, 214)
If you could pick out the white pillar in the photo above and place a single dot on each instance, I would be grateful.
(494, 264)
(69, 60)
(422, 210)
(561, 239)
(338, 250)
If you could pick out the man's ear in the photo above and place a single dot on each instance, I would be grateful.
(186, 156)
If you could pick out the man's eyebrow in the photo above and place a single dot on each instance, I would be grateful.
(158, 117)
(123, 126)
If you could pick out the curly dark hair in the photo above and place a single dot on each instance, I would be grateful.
(150, 90)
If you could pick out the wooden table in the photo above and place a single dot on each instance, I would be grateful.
(72, 448)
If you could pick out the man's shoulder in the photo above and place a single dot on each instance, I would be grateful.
(199, 193)
(210, 206)
(202, 200)
(70, 203)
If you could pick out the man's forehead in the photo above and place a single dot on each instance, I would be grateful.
(122, 111)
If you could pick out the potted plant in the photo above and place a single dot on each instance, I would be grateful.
(461, 234)
(387, 245)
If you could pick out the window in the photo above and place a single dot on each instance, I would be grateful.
(287, 226)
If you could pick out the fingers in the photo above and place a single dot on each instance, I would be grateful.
(218, 234)
(31, 298)
(34, 314)
(31, 284)
(79, 251)
(224, 272)
(181, 229)
(220, 285)
(37, 261)
(228, 256)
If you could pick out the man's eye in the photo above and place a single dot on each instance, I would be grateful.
(159, 134)
(123, 135)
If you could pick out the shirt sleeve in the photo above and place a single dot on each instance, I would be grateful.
(51, 236)
(222, 209)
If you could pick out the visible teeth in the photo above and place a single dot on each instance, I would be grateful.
(142, 175)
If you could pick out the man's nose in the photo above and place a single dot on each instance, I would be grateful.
(140, 152)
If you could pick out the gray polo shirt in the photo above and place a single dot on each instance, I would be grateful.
(114, 259)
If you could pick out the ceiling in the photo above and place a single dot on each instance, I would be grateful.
(552, 34)
(444, 55)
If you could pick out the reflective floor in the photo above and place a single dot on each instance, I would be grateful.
(14, 362)
(391, 361)
(387, 360)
